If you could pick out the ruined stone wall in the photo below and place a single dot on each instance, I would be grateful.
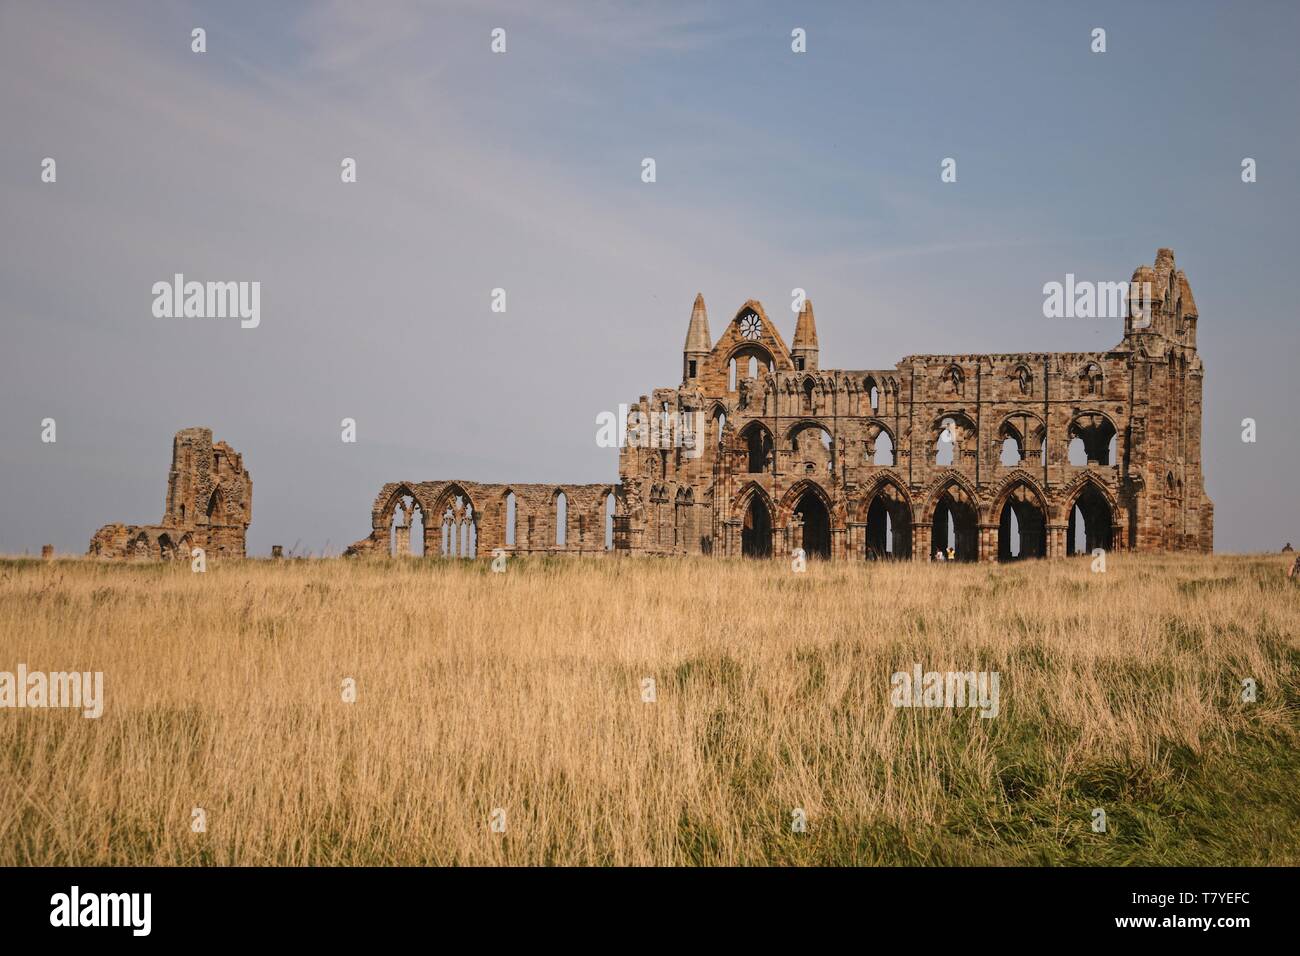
(820, 432)
(209, 505)
(467, 519)
(969, 451)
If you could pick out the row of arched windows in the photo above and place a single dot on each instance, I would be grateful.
(458, 528)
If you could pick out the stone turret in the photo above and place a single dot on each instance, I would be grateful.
(805, 349)
(698, 341)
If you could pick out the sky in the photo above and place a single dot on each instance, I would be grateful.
(522, 171)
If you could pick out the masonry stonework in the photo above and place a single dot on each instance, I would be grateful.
(209, 506)
(986, 457)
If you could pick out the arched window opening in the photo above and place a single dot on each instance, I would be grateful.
(955, 526)
(943, 449)
(1091, 379)
(1094, 432)
(731, 375)
(884, 450)
(216, 513)
(1090, 523)
(610, 506)
(1011, 455)
(811, 450)
(756, 532)
(1022, 527)
(889, 525)
(758, 447)
(814, 524)
(406, 528)
(512, 518)
(448, 528)
(1075, 453)
(468, 533)
(561, 519)
(459, 529)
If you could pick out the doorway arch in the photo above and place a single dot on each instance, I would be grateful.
(756, 529)
(1022, 524)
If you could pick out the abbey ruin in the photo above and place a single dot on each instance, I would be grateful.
(209, 506)
(998, 457)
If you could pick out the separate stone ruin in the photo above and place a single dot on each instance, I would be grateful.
(999, 456)
(209, 506)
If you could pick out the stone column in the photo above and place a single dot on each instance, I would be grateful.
(988, 550)
(857, 541)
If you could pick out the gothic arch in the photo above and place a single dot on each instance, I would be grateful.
(817, 517)
(1023, 376)
(456, 523)
(1008, 485)
(752, 508)
(869, 385)
(877, 484)
(955, 378)
(947, 481)
(875, 427)
(796, 491)
(743, 350)
(166, 549)
(387, 499)
(510, 522)
(954, 502)
(886, 511)
(1026, 429)
(1091, 378)
(756, 440)
(964, 439)
(1095, 429)
(805, 422)
(1100, 512)
(1021, 501)
(740, 503)
(216, 508)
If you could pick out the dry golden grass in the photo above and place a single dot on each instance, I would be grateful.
(522, 691)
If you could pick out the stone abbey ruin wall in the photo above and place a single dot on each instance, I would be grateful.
(996, 456)
(851, 464)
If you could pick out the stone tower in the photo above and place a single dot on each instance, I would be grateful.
(209, 505)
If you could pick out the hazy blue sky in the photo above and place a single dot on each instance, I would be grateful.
(522, 171)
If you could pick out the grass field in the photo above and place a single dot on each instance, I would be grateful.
(523, 691)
